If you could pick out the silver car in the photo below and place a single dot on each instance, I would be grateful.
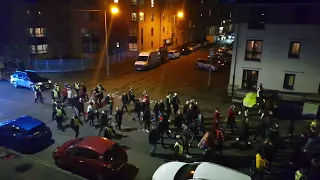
(29, 79)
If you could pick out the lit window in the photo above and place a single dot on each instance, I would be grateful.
(116, 1)
(30, 32)
(118, 44)
(201, 1)
(152, 17)
(209, 12)
(133, 47)
(253, 50)
(201, 14)
(39, 49)
(134, 2)
(42, 48)
(289, 81)
(294, 50)
(132, 32)
(39, 12)
(152, 3)
(39, 32)
(141, 2)
(134, 16)
(141, 16)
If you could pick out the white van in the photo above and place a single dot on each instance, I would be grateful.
(147, 59)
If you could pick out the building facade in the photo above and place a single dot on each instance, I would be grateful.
(276, 45)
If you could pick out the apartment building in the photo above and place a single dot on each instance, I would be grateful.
(159, 24)
(276, 44)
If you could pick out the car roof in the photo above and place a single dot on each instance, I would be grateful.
(96, 143)
(212, 171)
(168, 170)
(172, 50)
(25, 122)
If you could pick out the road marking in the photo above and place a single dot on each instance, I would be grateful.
(8, 101)
(33, 158)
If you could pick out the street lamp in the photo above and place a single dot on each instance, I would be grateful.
(180, 14)
(114, 10)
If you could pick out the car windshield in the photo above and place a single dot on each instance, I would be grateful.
(36, 129)
(186, 172)
(170, 52)
(112, 153)
(143, 58)
(34, 76)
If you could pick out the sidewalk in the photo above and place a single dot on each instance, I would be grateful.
(16, 167)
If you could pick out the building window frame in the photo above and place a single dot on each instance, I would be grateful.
(152, 3)
(134, 2)
(90, 47)
(85, 32)
(250, 53)
(152, 44)
(152, 31)
(142, 16)
(294, 49)
(141, 2)
(133, 46)
(288, 83)
(133, 32)
(134, 17)
(116, 1)
(152, 17)
(39, 49)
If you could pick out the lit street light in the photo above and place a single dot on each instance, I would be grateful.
(114, 10)
(141, 13)
(180, 14)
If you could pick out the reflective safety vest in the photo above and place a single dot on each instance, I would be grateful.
(260, 162)
(131, 93)
(298, 175)
(58, 88)
(110, 100)
(59, 112)
(180, 148)
(76, 86)
(313, 124)
(76, 121)
(55, 93)
(37, 88)
(99, 88)
(258, 93)
(169, 99)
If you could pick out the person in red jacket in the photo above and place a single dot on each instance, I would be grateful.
(231, 119)
(217, 115)
(220, 140)
(64, 93)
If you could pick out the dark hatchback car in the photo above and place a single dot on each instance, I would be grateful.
(184, 50)
(25, 134)
(91, 156)
(29, 79)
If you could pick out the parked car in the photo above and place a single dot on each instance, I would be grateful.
(184, 50)
(205, 64)
(173, 54)
(29, 79)
(198, 170)
(193, 47)
(91, 156)
(223, 61)
(24, 134)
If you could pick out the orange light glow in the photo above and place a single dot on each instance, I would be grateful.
(141, 13)
(180, 14)
(114, 10)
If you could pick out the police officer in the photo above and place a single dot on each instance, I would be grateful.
(125, 101)
(55, 94)
(54, 106)
(168, 102)
(131, 96)
(178, 148)
(60, 113)
(301, 174)
(38, 93)
(100, 88)
(103, 121)
(77, 87)
(175, 103)
(75, 124)
(156, 110)
(314, 126)
(118, 117)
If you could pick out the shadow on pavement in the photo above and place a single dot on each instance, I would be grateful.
(39, 148)
(24, 167)
(128, 172)
(119, 136)
(129, 129)
(235, 162)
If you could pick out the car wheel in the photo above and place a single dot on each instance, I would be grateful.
(32, 87)
(59, 163)
(15, 84)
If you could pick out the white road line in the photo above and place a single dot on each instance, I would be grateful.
(32, 158)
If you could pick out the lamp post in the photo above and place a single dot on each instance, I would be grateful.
(181, 16)
(114, 10)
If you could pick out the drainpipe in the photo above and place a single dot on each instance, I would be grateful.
(235, 59)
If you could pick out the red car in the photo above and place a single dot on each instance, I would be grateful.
(92, 156)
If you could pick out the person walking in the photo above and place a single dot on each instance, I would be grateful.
(154, 137)
(147, 118)
(175, 103)
(137, 109)
(125, 101)
(103, 121)
(243, 132)
(131, 96)
(38, 94)
(178, 121)
(231, 119)
(59, 115)
(118, 117)
(156, 111)
(75, 124)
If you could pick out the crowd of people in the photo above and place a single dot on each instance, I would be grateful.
(188, 121)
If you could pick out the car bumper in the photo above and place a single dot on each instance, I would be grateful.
(140, 67)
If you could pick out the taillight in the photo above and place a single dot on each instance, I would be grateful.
(106, 165)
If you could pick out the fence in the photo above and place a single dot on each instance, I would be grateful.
(67, 65)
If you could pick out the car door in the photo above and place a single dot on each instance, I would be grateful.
(25, 81)
(84, 160)
(18, 79)
(10, 136)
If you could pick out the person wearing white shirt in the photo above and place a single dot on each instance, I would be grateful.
(69, 96)
(90, 112)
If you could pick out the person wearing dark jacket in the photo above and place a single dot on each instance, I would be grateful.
(154, 137)
(243, 132)
(54, 106)
(175, 103)
(131, 96)
(103, 121)
(168, 103)
(156, 110)
(190, 115)
(147, 118)
(178, 120)
(137, 110)
(185, 109)
(125, 101)
(261, 130)
(162, 106)
(118, 117)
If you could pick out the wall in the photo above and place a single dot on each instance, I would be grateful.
(274, 58)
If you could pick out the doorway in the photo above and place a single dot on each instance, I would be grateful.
(250, 79)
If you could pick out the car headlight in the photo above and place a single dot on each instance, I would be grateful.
(219, 62)
(49, 81)
(40, 83)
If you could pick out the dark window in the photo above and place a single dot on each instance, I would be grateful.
(253, 50)
(301, 15)
(90, 16)
(141, 40)
(294, 50)
(90, 2)
(257, 18)
(289, 81)
(151, 31)
(151, 44)
(141, 32)
(319, 89)
(250, 79)
(152, 17)
(85, 153)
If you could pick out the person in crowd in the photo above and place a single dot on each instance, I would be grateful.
(154, 137)
(118, 116)
(147, 118)
(75, 125)
(175, 103)
(125, 101)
